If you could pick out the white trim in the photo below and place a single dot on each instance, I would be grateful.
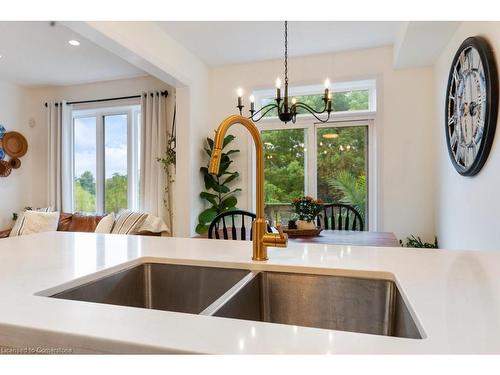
(310, 163)
(373, 178)
(68, 146)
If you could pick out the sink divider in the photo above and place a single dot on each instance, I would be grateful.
(226, 297)
(147, 282)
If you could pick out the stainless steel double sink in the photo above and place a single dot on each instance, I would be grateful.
(353, 304)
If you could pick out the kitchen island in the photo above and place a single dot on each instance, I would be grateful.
(453, 297)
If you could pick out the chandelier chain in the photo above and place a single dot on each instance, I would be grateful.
(287, 113)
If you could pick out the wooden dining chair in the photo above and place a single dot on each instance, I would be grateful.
(339, 216)
(234, 222)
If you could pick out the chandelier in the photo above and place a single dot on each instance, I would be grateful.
(287, 107)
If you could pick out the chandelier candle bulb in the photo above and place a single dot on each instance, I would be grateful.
(327, 89)
(252, 103)
(278, 88)
(240, 94)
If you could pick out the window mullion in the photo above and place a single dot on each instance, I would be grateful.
(310, 167)
(131, 162)
(100, 167)
(72, 157)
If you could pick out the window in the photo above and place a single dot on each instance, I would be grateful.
(106, 159)
(284, 164)
(347, 97)
(85, 163)
(341, 165)
(328, 161)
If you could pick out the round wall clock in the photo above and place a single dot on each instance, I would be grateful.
(471, 105)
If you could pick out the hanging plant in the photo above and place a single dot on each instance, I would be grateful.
(218, 192)
(168, 161)
(169, 158)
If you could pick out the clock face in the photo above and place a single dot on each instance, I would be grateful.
(471, 106)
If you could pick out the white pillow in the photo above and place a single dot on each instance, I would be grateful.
(128, 222)
(153, 224)
(37, 222)
(106, 224)
(20, 215)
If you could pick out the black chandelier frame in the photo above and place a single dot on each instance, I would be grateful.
(287, 110)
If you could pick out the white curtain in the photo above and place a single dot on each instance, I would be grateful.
(59, 157)
(155, 189)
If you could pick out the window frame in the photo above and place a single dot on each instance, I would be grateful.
(133, 149)
(336, 87)
(337, 119)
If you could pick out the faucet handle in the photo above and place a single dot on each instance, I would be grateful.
(283, 236)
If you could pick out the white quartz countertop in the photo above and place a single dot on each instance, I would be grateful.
(454, 296)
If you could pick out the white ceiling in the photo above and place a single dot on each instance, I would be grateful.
(35, 53)
(219, 43)
(422, 42)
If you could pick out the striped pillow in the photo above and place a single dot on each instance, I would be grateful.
(128, 221)
(16, 229)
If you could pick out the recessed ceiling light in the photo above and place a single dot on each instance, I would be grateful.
(330, 135)
(74, 42)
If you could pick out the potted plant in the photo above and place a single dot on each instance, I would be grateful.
(417, 242)
(306, 209)
(219, 193)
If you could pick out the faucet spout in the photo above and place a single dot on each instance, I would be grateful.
(261, 238)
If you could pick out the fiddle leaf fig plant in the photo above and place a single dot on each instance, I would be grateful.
(219, 194)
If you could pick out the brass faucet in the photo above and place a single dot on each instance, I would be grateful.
(261, 238)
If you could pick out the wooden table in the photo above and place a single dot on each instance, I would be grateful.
(344, 237)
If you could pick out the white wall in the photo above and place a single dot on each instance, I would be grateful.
(14, 188)
(404, 126)
(467, 212)
(34, 108)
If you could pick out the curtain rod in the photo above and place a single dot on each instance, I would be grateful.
(163, 93)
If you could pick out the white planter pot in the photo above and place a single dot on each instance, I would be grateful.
(302, 225)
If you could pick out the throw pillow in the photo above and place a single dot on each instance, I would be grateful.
(106, 224)
(37, 222)
(153, 224)
(20, 215)
(128, 222)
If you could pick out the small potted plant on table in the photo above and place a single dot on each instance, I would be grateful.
(306, 209)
